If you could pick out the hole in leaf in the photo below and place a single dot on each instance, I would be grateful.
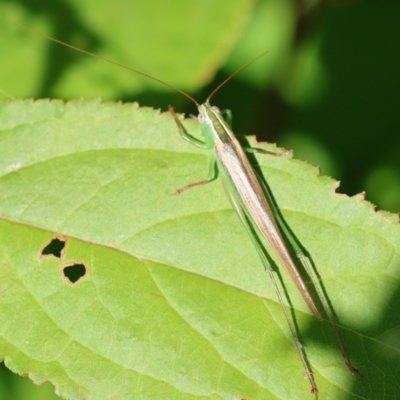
(74, 272)
(54, 248)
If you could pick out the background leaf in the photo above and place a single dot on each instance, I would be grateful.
(175, 302)
(161, 39)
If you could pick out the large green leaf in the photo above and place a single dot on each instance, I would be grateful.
(175, 302)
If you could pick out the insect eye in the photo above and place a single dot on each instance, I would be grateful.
(200, 118)
(214, 108)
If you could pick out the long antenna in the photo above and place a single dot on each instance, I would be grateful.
(140, 72)
(235, 73)
(109, 61)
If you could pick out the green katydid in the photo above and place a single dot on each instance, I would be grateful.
(253, 202)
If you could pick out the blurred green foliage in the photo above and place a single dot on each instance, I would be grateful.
(14, 387)
(328, 87)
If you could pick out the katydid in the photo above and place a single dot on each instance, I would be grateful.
(253, 202)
